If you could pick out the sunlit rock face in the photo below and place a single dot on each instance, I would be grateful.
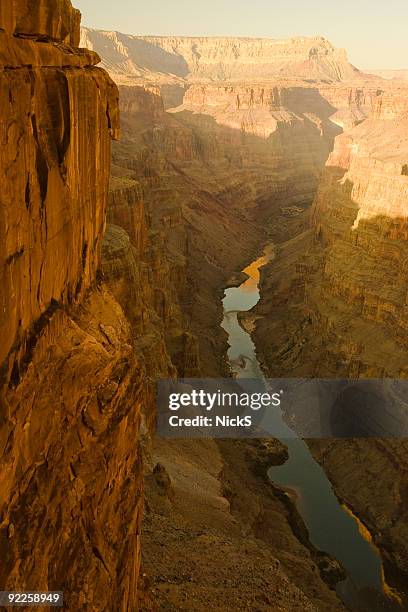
(51, 21)
(70, 380)
(56, 127)
(261, 108)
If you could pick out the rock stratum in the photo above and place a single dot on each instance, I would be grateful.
(71, 384)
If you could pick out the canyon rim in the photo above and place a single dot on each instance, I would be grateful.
(145, 181)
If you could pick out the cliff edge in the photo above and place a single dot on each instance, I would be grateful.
(69, 380)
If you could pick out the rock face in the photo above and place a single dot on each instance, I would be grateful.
(365, 244)
(177, 59)
(71, 383)
(54, 21)
(51, 209)
(261, 109)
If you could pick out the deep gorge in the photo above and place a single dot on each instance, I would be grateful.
(114, 261)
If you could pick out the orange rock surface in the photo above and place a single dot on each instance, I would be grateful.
(70, 382)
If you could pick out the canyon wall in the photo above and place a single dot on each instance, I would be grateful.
(348, 268)
(71, 382)
(334, 304)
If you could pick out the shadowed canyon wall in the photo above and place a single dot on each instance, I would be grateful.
(71, 383)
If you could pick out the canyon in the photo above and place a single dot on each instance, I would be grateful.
(336, 142)
(114, 261)
(183, 187)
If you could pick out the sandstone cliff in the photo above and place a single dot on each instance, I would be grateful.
(70, 380)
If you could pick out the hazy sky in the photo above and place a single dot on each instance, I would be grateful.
(374, 32)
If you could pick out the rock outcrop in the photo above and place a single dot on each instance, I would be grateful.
(52, 210)
(71, 383)
(56, 21)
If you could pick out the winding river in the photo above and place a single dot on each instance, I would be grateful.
(332, 527)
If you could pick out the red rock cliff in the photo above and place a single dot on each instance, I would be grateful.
(70, 470)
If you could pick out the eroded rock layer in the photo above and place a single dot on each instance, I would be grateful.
(71, 383)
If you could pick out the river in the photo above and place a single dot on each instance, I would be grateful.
(332, 527)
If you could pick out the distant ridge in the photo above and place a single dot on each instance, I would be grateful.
(167, 59)
(395, 75)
